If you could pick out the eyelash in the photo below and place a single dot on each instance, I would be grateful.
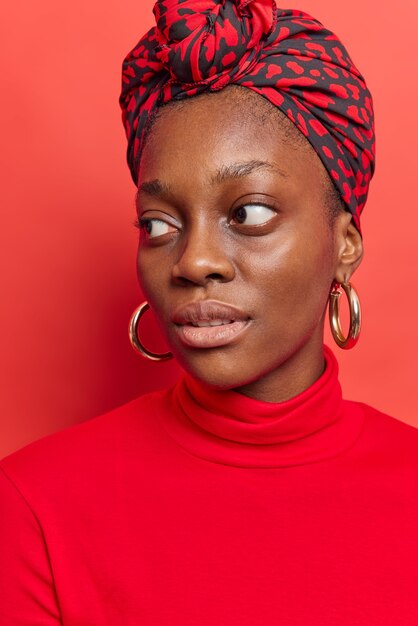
(263, 204)
(141, 222)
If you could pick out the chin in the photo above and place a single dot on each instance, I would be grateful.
(219, 370)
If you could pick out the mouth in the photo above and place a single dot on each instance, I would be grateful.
(209, 323)
(206, 323)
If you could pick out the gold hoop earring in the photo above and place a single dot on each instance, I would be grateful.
(133, 336)
(355, 315)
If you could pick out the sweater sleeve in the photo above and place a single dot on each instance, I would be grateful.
(27, 592)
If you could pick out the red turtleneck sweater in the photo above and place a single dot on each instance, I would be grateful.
(195, 507)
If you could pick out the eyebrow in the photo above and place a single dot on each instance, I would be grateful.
(154, 188)
(239, 170)
(158, 188)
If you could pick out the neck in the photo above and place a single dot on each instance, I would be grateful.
(295, 373)
(226, 427)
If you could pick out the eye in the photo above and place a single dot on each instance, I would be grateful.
(154, 227)
(253, 214)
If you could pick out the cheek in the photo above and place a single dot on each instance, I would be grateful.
(294, 280)
(152, 278)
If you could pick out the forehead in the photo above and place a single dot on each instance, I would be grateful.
(209, 132)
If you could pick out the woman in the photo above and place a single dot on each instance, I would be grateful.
(249, 492)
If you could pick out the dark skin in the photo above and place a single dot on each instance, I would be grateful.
(239, 216)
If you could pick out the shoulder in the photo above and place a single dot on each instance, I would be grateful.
(387, 441)
(388, 425)
(85, 450)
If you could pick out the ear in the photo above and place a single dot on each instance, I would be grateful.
(348, 246)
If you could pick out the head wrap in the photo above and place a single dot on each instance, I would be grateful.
(285, 55)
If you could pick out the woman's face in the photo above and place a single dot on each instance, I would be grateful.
(232, 210)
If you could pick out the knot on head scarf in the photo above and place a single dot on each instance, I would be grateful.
(200, 39)
(285, 55)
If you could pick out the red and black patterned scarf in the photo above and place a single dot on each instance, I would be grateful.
(285, 55)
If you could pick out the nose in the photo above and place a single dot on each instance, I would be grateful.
(203, 258)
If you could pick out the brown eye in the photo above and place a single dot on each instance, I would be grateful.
(240, 215)
(253, 214)
(154, 227)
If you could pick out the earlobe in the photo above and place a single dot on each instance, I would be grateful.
(349, 246)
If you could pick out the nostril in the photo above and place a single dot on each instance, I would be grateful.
(215, 276)
(183, 280)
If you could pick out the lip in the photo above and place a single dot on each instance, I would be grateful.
(188, 316)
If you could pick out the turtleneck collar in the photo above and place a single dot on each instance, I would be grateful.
(227, 427)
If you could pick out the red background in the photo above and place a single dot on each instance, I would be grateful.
(68, 245)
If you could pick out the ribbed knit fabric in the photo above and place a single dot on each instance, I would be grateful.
(199, 507)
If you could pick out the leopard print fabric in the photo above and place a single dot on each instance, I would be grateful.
(285, 55)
